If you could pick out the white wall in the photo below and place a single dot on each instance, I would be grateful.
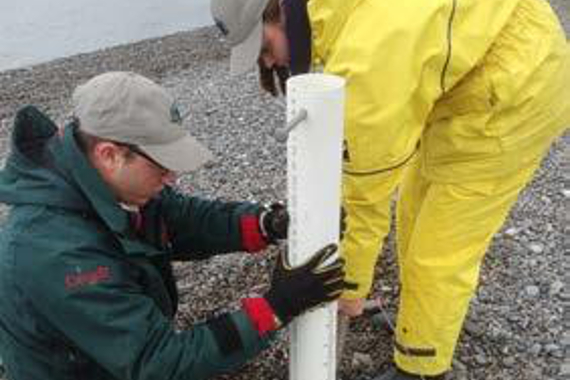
(33, 31)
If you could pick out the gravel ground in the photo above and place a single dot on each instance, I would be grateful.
(515, 328)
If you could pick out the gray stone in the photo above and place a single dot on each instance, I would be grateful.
(458, 375)
(532, 291)
(564, 296)
(481, 359)
(532, 262)
(472, 328)
(551, 347)
(535, 349)
(536, 248)
(556, 287)
(535, 373)
(360, 360)
(509, 361)
(459, 366)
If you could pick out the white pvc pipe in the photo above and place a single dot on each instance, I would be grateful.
(314, 159)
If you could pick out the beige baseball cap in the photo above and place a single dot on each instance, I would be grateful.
(241, 21)
(129, 108)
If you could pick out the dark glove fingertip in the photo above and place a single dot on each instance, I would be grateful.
(332, 247)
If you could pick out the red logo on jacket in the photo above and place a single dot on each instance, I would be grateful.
(87, 278)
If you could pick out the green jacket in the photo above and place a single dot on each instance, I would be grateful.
(86, 295)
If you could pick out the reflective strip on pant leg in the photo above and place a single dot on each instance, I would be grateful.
(427, 330)
(410, 351)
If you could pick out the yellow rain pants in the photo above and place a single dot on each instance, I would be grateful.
(443, 232)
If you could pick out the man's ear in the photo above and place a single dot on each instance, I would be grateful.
(107, 155)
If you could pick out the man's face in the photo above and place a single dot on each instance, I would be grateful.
(132, 177)
(275, 48)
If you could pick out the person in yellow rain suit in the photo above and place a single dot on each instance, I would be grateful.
(453, 102)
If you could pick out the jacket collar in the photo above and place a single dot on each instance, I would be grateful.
(298, 32)
(98, 194)
(91, 184)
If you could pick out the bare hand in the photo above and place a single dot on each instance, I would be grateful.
(351, 308)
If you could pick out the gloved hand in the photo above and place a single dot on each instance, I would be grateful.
(295, 290)
(274, 222)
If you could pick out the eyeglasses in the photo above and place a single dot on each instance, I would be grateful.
(135, 149)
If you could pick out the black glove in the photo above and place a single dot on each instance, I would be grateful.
(272, 79)
(274, 222)
(296, 290)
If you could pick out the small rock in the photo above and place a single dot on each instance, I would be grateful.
(551, 348)
(360, 360)
(513, 318)
(536, 248)
(459, 366)
(564, 296)
(565, 369)
(535, 349)
(524, 323)
(566, 193)
(211, 111)
(481, 359)
(458, 375)
(509, 361)
(535, 373)
(532, 262)
(532, 291)
(556, 287)
(511, 232)
(472, 328)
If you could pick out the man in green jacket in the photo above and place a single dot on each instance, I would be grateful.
(86, 284)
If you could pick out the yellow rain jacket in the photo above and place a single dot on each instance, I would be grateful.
(461, 94)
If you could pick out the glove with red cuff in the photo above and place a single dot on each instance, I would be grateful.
(274, 222)
(295, 290)
(266, 226)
